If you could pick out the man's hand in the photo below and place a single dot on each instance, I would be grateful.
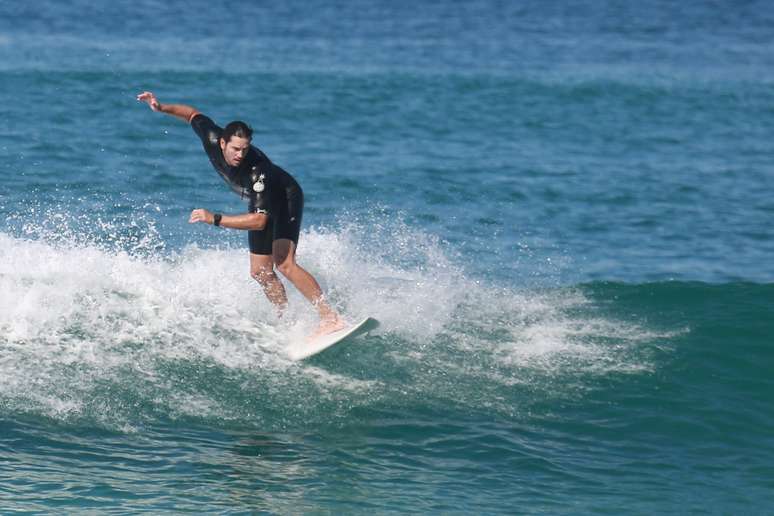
(150, 99)
(201, 215)
(181, 111)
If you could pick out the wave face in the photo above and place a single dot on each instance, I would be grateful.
(650, 380)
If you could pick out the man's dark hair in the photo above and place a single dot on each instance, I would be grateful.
(237, 128)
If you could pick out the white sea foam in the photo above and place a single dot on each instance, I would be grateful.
(89, 328)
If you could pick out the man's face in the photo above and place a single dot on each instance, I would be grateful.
(235, 150)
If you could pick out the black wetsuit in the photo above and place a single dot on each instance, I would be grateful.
(268, 188)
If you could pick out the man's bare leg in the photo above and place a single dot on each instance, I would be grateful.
(285, 258)
(262, 270)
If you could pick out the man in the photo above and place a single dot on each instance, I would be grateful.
(275, 207)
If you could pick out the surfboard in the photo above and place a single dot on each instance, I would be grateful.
(301, 350)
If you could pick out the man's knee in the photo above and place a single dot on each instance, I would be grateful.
(286, 267)
(262, 274)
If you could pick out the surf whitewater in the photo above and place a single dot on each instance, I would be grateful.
(116, 333)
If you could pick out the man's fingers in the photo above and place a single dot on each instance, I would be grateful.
(197, 216)
(147, 96)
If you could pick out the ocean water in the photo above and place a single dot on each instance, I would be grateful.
(560, 212)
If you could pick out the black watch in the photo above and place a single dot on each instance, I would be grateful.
(216, 219)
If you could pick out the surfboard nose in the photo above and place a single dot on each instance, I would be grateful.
(301, 350)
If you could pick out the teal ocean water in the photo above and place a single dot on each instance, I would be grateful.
(560, 213)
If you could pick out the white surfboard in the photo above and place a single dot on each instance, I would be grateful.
(302, 350)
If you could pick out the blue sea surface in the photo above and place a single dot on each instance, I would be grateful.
(560, 212)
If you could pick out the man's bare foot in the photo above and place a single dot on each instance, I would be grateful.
(328, 325)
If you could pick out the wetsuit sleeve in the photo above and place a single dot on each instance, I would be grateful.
(207, 131)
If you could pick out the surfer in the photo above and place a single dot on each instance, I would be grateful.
(275, 207)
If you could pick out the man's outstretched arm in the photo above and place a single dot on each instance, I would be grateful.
(181, 111)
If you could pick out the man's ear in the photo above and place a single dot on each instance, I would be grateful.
(222, 144)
